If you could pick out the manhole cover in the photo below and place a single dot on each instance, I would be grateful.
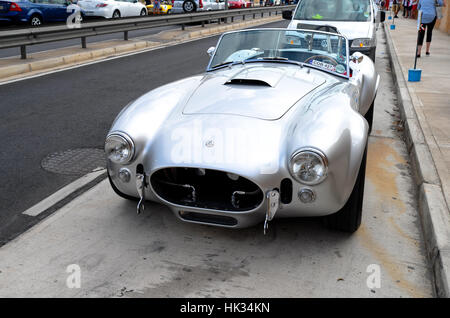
(75, 161)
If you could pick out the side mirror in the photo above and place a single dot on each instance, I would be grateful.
(211, 50)
(356, 57)
(287, 15)
(382, 16)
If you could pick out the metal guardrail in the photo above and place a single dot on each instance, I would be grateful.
(31, 36)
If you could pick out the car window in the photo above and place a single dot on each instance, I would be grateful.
(334, 10)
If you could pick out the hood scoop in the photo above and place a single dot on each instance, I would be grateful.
(247, 81)
(257, 76)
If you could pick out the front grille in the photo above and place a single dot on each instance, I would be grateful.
(206, 188)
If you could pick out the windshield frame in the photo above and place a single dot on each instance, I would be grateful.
(372, 15)
(209, 68)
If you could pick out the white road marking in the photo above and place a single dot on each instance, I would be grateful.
(63, 193)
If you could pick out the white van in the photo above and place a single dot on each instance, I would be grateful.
(357, 20)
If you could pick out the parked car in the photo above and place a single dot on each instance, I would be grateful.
(272, 3)
(190, 6)
(278, 125)
(112, 8)
(35, 12)
(356, 19)
(238, 4)
(165, 7)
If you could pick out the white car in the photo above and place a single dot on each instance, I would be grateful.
(112, 8)
(189, 6)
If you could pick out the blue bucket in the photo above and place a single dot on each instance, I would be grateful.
(389, 18)
(392, 26)
(414, 75)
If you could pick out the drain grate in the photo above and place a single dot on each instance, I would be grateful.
(74, 161)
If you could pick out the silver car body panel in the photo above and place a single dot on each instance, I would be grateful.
(302, 107)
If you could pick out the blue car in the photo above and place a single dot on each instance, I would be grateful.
(34, 12)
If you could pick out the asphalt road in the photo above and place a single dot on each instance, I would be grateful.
(74, 109)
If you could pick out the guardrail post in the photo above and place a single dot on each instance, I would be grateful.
(243, 17)
(125, 36)
(270, 13)
(83, 42)
(253, 16)
(225, 20)
(182, 27)
(218, 20)
(262, 14)
(203, 24)
(23, 52)
(232, 19)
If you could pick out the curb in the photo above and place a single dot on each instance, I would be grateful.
(433, 210)
(8, 72)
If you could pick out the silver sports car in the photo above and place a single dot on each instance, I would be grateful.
(277, 126)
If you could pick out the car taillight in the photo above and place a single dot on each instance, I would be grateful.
(101, 5)
(14, 7)
(200, 3)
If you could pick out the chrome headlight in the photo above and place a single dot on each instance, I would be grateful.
(309, 166)
(362, 43)
(119, 148)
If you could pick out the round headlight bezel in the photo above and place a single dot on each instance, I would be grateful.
(126, 140)
(309, 151)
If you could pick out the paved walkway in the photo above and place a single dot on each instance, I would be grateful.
(430, 96)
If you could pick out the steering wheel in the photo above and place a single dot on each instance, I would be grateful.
(328, 58)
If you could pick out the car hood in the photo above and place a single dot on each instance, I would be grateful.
(263, 92)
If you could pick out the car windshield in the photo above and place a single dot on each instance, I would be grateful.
(325, 51)
(333, 10)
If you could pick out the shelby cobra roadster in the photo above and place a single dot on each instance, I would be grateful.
(277, 126)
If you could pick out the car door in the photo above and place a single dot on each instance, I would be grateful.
(135, 7)
(124, 8)
(59, 10)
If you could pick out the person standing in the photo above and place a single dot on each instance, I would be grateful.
(428, 8)
(395, 7)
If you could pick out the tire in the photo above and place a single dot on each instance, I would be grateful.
(189, 6)
(372, 54)
(36, 20)
(348, 219)
(369, 115)
(143, 12)
(120, 194)
(116, 14)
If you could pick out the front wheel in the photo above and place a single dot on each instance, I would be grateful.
(369, 115)
(116, 14)
(189, 6)
(143, 12)
(348, 219)
(35, 21)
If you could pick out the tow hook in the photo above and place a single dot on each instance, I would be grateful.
(141, 184)
(273, 202)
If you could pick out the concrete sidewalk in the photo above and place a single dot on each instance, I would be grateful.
(425, 108)
(13, 68)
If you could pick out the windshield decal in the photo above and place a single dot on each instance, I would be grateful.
(340, 69)
(329, 67)
(317, 17)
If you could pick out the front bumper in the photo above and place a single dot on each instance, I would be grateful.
(329, 197)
